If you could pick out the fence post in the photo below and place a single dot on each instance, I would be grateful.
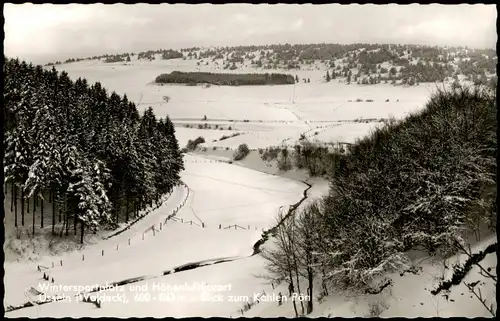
(143, 236)
(248, 226)
(102, 253)
(117, 247)
(182, 220)
(219, 226)
(128, 241)
(191, 222)
(153, 228)
(202, 224)
(52, 264)
(83, 257)
(160, 226)
(61, 262)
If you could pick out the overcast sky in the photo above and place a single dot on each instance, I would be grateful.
(46, 32)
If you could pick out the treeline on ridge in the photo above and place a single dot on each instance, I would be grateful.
(91, 150)
(179, 77)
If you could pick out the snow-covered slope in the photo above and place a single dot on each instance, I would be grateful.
(220, 193)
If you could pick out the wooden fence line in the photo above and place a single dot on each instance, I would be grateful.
(154, 229)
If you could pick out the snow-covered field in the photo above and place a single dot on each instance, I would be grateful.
(267, 114)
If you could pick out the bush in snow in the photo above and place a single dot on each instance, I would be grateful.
(270, 154)
(284, 160)
(192, 144)
(241, 152)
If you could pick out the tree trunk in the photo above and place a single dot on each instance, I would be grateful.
(12, 197)
(298, 284)
(60, 214)
(53, 215)
(67, 223)
(82, 229)
(293, 301)
(75, 220)
(33, 214)
(323, 284)
(67, 218)
(310, 294)
(28, 204)
(126, 210)
(295, 267)
(22, 206)
(41, 208)
(64, 219)
(59, 198)
(15, 205)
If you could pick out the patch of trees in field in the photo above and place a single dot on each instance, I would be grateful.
(148, 55)
(117, 58)
(171, 54)
(107, 58)
(421, 183)
(89, 149)
(179, 77)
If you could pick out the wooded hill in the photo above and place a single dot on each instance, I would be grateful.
(90, 150)
(360, 62)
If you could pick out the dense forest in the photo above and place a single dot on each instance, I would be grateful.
(421, 183)
(179, 77)
(90, 150)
